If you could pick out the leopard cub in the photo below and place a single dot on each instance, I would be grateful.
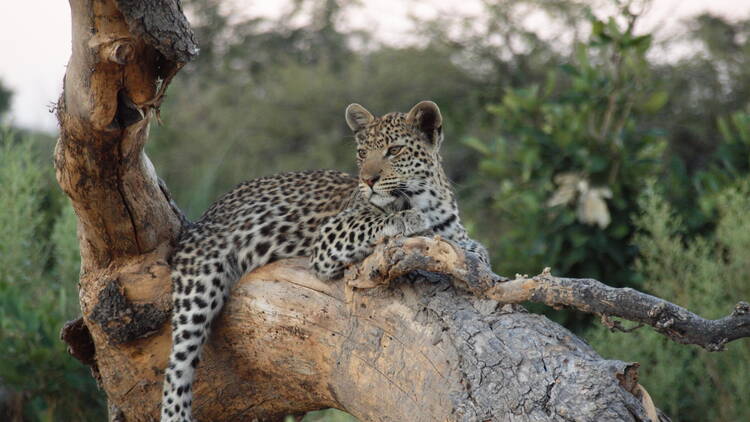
(327, 215)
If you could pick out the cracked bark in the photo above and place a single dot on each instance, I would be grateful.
(425, 348)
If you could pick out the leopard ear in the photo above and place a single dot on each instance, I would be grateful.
(426, 116)
(357, 117)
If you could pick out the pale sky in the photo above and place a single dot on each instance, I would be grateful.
(35, 39)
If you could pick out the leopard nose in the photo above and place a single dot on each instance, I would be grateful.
(370, 181)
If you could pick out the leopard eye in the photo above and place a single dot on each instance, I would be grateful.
(361, 154)
(395, 150)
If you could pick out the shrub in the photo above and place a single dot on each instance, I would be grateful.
(707, 275)
(561, 180)
(38, 269)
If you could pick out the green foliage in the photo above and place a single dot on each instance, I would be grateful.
(705, 87)
(20, 182)
(693, 195)
(729, 162)
(38, 269)
(710, 82)
(571, 158)
(707, 275)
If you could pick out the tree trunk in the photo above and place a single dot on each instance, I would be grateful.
(419, 350)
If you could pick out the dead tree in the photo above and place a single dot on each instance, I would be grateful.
(415, 333)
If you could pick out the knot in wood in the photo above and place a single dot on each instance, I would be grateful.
(717, 346)
(121, 52)
(656, 311)
(123, 321)
(665, 323)
(76, 335)
(741, 308)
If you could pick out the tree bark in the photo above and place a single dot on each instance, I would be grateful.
(417, 350)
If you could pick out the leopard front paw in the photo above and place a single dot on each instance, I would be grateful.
(327, 271)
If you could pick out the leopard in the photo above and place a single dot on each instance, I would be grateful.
(334, 218)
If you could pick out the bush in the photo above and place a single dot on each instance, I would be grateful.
(707, 275)
(561, 180)
(39, 264)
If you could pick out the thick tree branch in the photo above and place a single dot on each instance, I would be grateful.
(114, 78)
(417, 351)
(402, 256)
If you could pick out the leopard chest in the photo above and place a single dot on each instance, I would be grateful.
(441, 211)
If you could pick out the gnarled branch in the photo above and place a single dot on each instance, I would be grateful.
(402, 256)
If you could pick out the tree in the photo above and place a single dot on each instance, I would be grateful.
(435, 345)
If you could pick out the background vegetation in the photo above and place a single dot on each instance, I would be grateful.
(594, 151)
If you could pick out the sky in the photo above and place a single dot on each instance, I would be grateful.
(35, 39)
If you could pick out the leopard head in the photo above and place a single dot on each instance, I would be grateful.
(398, 154)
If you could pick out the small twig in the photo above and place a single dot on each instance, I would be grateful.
(615, 325)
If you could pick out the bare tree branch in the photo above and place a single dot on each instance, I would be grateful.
(592, 296)
(402, 256)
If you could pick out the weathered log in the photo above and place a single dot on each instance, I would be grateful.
(418, 350)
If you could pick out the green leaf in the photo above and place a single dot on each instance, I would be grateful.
(741, 122)
(655, 102)
(598, 163)
(619, 231)
(642, 43)
(597, 27)
(570, 69)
